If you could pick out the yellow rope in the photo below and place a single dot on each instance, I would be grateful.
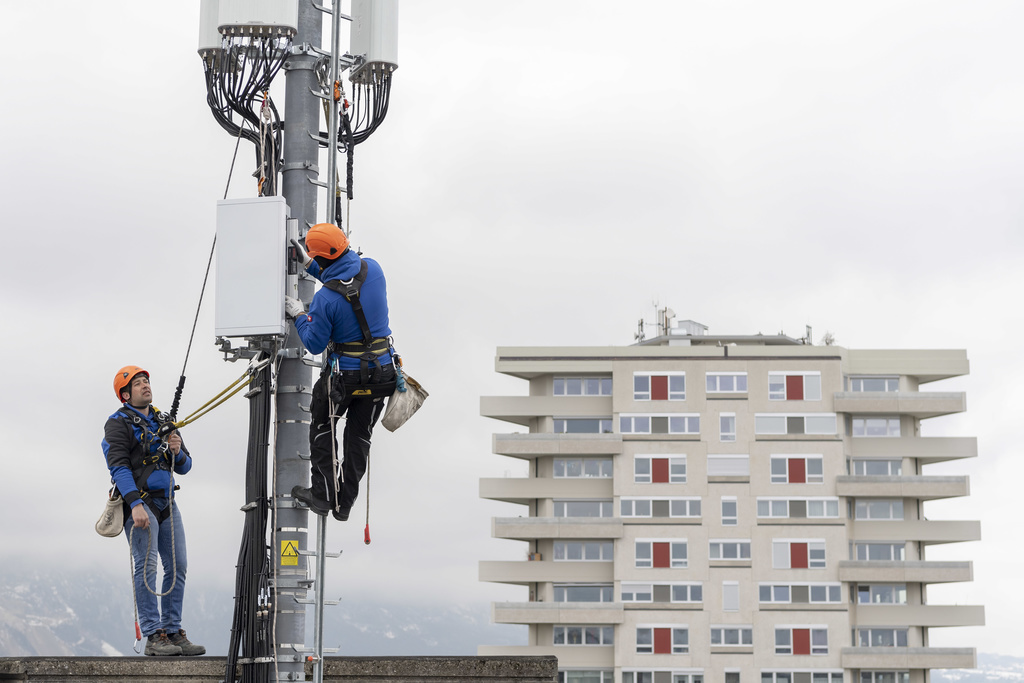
(223, 396)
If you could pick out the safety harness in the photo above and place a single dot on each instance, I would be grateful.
(152, 459)
(369, 350)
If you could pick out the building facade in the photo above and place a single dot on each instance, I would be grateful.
(729, 508)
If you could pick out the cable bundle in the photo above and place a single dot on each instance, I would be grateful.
(238, 81)
(250, 626)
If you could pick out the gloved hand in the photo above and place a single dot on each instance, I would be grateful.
(293, 308)
(304, 258)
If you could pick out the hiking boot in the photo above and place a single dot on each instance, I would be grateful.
(304, 495)
(342, 514)
(188, 648)
(159, 645)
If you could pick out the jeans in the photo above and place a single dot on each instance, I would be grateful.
(174, 561)
(361, 415)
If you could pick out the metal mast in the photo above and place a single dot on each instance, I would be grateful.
(294, 379)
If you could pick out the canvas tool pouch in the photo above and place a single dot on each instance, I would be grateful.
(111, 521)
(403, 404)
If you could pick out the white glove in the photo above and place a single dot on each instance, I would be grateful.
(293, 308)
(304, 258)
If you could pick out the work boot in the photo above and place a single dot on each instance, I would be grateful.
(188, 648)
(304, 495)
(159, 645)
(342, 514)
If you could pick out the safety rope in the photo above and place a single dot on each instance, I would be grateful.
(223, 396)
(145, 564)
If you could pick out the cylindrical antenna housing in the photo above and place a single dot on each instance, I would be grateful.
(258, 17)
(209, 20)
(374, 36)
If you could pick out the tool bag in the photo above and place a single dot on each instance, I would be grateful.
(111, 520)
(403, 404)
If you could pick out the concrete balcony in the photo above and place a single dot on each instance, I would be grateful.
(532, 446)
(524, 489)
(908, 658)
(919, 615)
(920, 404)
(926, 449)
(923, 487)
(905, 572)
(557, 612)
(924, 530)
(521, 410)
(927, 365)
(533, 528)
(526, 572)
(599, 656)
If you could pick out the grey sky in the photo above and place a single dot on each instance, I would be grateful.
(546, 171)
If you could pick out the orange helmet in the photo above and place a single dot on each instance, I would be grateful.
(327, 240)
(124, 377)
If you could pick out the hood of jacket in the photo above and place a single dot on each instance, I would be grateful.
(345, 267)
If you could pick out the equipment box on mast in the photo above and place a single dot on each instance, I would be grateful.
(251, 266)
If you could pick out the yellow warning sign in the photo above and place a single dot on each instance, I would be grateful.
(289, 553)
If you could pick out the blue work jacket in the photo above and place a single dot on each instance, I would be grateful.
(124, 446)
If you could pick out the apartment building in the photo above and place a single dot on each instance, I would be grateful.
(735, 509)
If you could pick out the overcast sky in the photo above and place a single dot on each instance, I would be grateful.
(547, 171)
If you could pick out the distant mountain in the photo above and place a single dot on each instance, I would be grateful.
(1002, 668)
(50, 612)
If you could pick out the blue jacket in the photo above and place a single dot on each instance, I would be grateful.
(124, 447)
(331, 318)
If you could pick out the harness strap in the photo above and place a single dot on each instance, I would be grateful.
(350, 290)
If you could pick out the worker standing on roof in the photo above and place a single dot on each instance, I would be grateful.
(348, 318)
(142, 449)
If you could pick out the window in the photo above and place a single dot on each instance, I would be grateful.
(876, 468)
(662, 640)
(651, 469)
(726, 382)
(583, 425)
(879, 552)
(884, 676)
(582, 467)
(801, 640)
(586, 676)
(583, 592)
(662, 592)
(673, 676)
(732, 677)
(727, 427)
(797, 469)
(800, 593)
(660, 553)
(775, 423)
(798, 508)
(801, 554)
(880, 637)
(729, 549)
(659, 507)
(584, 635)
(583, 551)
(885, 509)
(804, 676)
(732, 635)
(729, 511)
(659, 424)
(876, 426)
(669, 386)
(730, 596)
(583, 508)
(866, 383)
(882, 593)
(794, 386)
(583, 386)
(728, 465)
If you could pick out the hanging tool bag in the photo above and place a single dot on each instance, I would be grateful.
(111, 520)
(408, 397)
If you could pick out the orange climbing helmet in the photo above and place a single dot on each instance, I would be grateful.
(124, 377)
(327, 240)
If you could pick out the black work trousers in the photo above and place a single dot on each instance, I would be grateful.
(361, 413)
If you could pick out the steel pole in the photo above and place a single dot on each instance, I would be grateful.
(332, 128)
(294, 378)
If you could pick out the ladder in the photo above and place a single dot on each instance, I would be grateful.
(316, 654)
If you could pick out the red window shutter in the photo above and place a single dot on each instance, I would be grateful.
(797, 471)
(798, 556)
(659, 387)
(662, 641)
(794, 387)
(801, 641)
(662, 555)
(659, 470)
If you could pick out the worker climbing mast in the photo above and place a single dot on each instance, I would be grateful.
(244, 44)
